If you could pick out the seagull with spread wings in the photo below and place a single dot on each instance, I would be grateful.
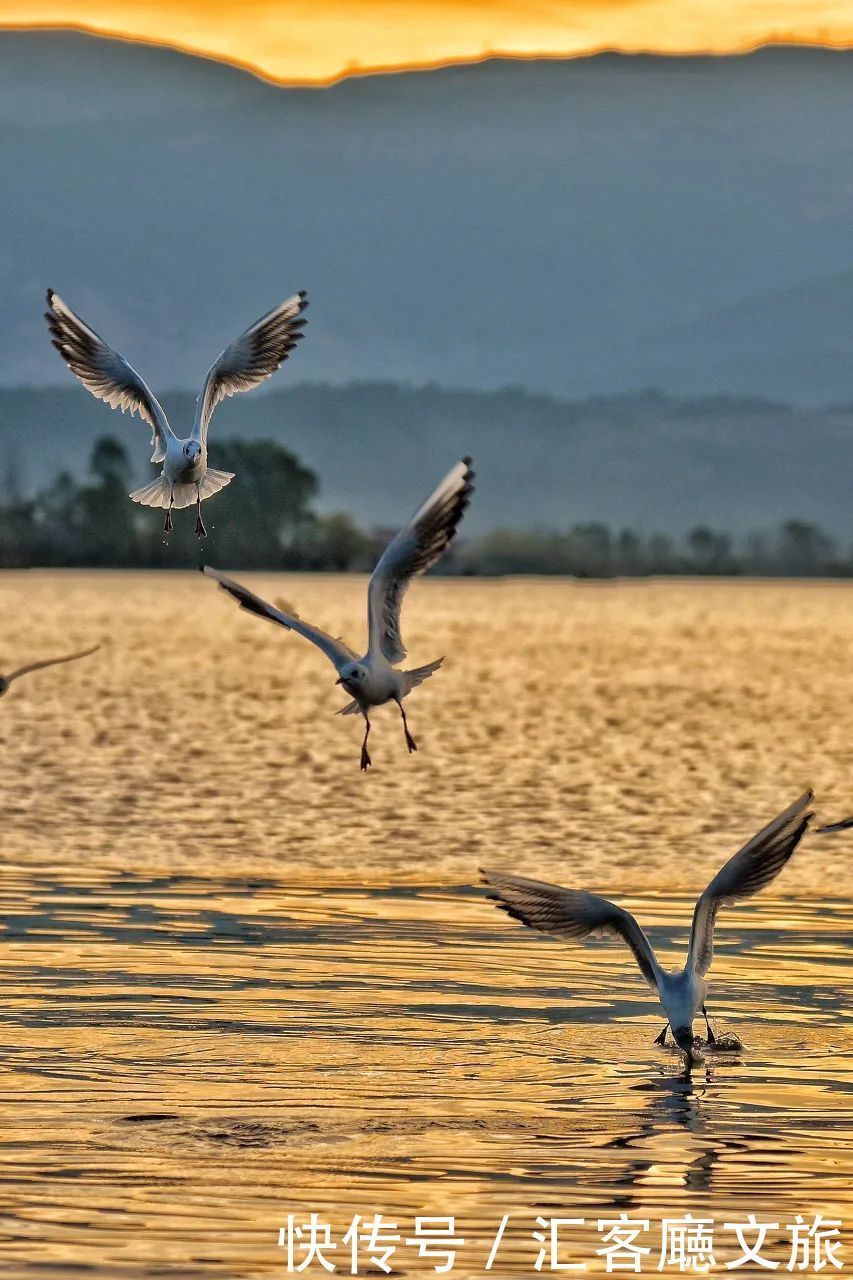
(186, 479)
(5, 681)
(571, 914)
(373, 679)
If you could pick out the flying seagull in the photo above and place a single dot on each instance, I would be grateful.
(373, 680)
(186, 478)
(569, 913)
(5, 681)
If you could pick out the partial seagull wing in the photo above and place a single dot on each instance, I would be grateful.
(844, 824)
(338, 653)
(415, 549)
(251, 358)
(748, 872)
(51, 662)
(571, 914)
(104, 372)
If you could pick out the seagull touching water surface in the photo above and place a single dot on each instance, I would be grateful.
(569, 913)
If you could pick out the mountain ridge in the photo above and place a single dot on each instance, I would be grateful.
(646, 461)
(579, 227)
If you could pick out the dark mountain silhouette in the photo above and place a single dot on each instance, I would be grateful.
(575, 227)
(648, 461)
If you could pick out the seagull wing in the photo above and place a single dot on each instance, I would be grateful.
(251, 358)
(415, 549)
(569, 913)
(51, 662)
(844, 824)
(338, 653)
(104, 372)
(748, 872)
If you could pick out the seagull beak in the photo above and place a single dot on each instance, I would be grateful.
(686, 1043)
(340, 681)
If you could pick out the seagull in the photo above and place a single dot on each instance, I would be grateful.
(569, 913)
(372, 679)
(5, 681)
(186, 478)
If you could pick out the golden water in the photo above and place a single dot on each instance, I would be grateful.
(241, 980)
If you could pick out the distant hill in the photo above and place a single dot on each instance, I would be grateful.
(575, 227)
(648, 461)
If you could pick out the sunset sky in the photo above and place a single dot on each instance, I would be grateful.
(311, 41)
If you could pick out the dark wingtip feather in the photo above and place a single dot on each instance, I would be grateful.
(843, 824)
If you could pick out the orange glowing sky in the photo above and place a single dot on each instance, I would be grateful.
(312, 41)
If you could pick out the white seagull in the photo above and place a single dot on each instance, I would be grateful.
(5, 681)
(186, 478)
(569, 913)
(372, 680)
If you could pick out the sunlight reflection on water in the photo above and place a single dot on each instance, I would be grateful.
(240, 979)
(187, 1060)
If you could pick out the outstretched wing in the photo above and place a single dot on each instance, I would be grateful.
(251, 358)
(51, 662)
(748, 872)
(571, 914)
(104, 372)
(335, 650)
(843, 824)
(415, 549)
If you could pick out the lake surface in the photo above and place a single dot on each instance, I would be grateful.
(242, 980)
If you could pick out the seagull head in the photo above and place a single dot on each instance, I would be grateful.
(688, 1043)
(192, 450)
(352, 677)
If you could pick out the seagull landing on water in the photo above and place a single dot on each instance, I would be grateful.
(186, 479)
(372, 680)
(568, 913)
(5, 681)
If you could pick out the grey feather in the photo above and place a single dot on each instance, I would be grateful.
(414, 550)
(104, 372)
(570, 914)
(251, 358)
(750, 870)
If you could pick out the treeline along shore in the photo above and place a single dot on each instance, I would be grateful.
(268, 518)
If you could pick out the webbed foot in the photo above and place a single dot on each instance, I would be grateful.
(168, 526)
(200, 531)
(366, 761)
(661, 1039)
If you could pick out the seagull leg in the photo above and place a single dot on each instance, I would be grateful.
(168, 526)
(410, 742)
(366, 761)
(661, 1039)
(712, 1039)
(200, 531)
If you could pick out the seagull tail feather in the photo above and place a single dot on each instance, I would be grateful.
(156, 494)
(419, 674)
(351, 709)
(214, 481)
